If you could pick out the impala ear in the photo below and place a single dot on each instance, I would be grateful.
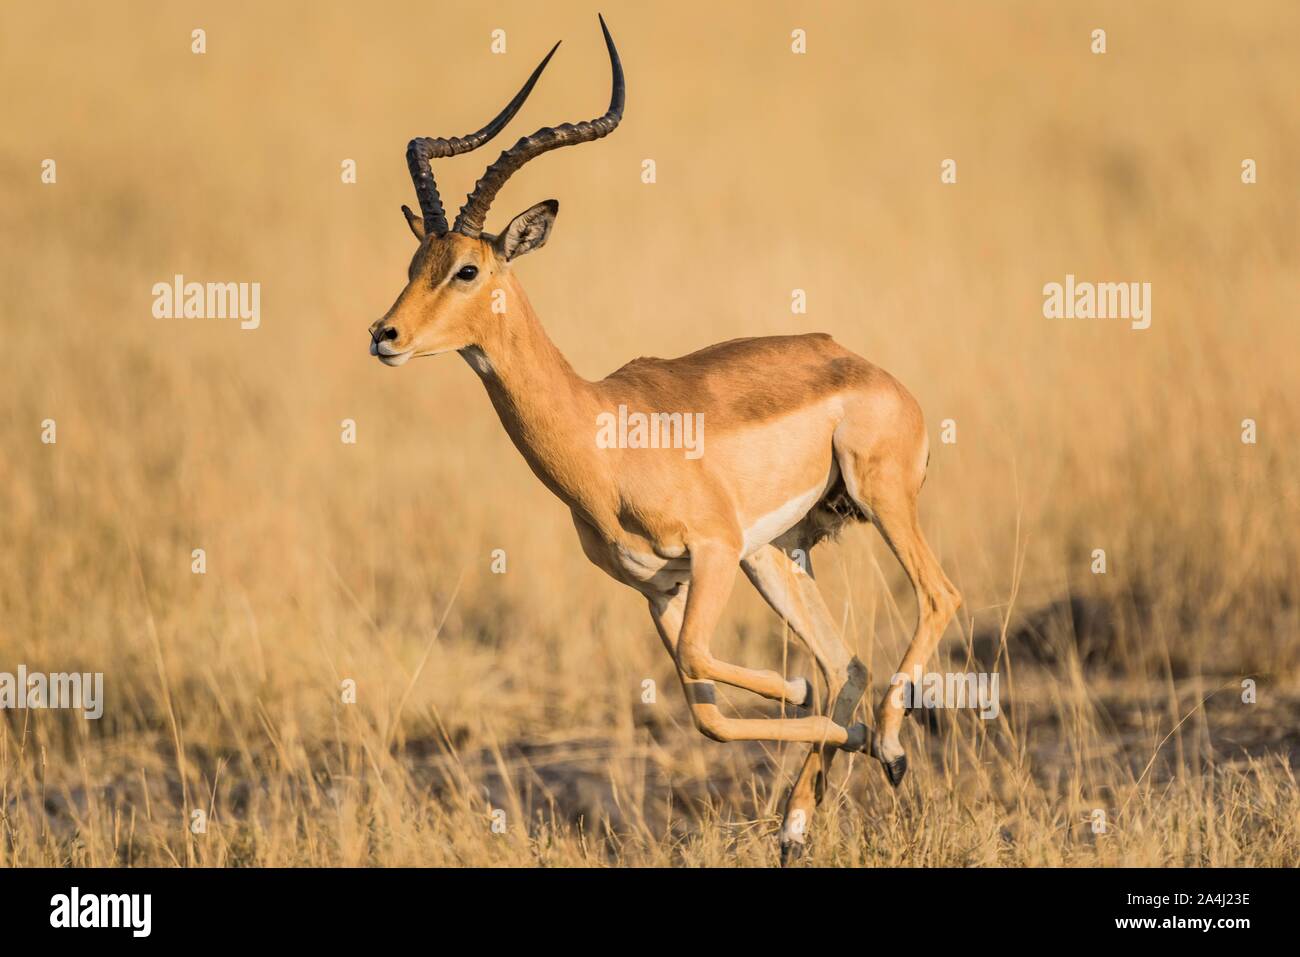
(527, 231)
(415, 222)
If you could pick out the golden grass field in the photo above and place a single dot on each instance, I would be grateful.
(522, 691)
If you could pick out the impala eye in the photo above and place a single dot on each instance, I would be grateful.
(466, 273)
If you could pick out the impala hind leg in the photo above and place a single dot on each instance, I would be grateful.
(887, 488)
(793, 595)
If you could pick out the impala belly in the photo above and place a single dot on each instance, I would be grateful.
(780, 470)
(771, 474)
(664, 574)
(780, 520)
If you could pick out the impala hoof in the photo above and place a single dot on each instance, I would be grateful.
(857, 739)
(791, 852)
(892, 759)
(895, 769)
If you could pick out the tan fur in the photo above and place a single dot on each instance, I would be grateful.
(791, 422)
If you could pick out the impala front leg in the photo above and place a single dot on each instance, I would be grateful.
(713, 572)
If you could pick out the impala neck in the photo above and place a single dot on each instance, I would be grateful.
(548, 410)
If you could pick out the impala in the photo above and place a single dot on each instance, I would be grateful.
(803, 437)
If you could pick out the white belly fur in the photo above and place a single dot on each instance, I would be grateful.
(779, 521)
(663, 574)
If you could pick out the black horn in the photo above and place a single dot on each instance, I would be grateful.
(423, 149)
(472, 216)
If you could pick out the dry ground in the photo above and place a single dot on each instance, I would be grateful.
(522, 692)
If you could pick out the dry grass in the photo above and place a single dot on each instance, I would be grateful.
(329, 561)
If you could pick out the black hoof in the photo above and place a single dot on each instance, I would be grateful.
(859, 738)
(895, 769)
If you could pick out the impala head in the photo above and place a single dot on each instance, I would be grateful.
(447, 302)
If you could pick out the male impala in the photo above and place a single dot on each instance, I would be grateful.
(803, 437)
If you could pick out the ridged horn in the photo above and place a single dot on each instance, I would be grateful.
(472, 216)
(423, 149)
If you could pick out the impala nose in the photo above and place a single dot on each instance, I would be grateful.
(379, 332)
(384, 339)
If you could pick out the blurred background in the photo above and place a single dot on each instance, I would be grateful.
(775, 171)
